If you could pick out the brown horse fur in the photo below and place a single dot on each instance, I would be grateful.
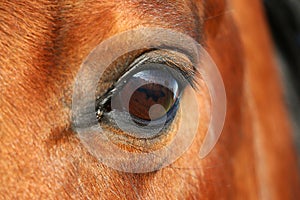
(42, 44)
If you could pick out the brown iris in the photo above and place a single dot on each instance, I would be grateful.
(145, 97)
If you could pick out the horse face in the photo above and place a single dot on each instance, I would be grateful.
(43, 45)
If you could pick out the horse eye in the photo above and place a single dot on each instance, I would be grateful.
(141, 96)
(146, 97)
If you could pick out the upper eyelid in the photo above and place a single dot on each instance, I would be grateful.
(176, 58)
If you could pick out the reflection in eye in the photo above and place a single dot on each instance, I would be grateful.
(146, 96)
(150, 92)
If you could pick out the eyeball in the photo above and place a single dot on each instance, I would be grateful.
(146, 99)
(148, 116)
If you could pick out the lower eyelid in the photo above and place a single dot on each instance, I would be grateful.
(132, 144)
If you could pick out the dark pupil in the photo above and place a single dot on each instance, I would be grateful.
(148, 95)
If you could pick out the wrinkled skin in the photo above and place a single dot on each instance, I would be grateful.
(42, 45)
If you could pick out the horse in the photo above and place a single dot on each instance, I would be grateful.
(43, 44)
